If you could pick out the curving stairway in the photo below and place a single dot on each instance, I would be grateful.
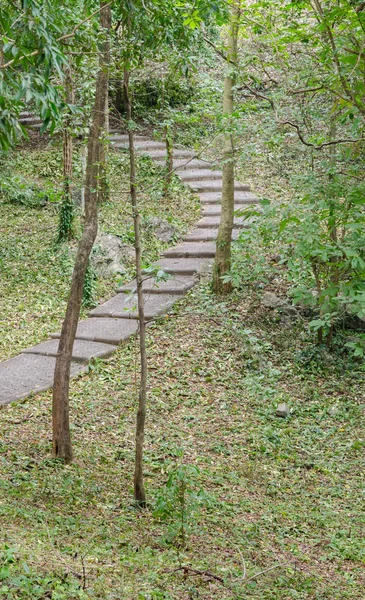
(116, 320)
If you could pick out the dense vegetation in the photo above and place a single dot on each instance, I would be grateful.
(240, 503)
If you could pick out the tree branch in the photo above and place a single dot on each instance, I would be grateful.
(296, 126)
(60, 39)
(360, 8)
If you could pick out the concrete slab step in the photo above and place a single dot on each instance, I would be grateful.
(83, 350)
(160, 155)
(180, 164)
(123, 306)
(200, 174)
(213, 210)
(107, 331)
(26, 374)
(140, 146)
(173, 286)
(213, 222)
(192, 250)
(216, 186)
(207, 235)
(30, 120)
(123, 137)
(240, 197)
(182, 266)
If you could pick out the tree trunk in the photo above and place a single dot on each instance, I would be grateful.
(169, 160)
(222, 261)
(62, 447)
(67, 213)
(139, 491)
(104, 189)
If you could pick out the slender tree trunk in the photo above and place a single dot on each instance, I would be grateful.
(223, 254)
(332, 223)
(139, 491)
(67, 213)
(104, 189)
(62, 447)
(169, 160)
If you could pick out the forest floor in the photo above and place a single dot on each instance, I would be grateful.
(254, 506)
(35, 271)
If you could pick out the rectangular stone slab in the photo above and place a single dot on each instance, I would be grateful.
(142, 147)
(207, 222)
(107, 331)
(161, 154)
(26, 374)
(199, 174)
(213, 210)
(182, 165)
(174, 285)
(207, 235)
(123, 137)
(181, 266)
(216, 198)
(83, 350)
(216, 186)
(192, 250)
(124, 307)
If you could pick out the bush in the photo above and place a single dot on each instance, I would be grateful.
(318, 241)
(16, 190)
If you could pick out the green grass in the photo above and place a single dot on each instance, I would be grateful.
(270, 492)
(36, 273)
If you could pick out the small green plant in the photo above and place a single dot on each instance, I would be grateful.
(16, 190)
(88, 293)
(18, 580)
(66, 219)
(179, 503)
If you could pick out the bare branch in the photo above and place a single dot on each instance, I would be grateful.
(217, 50)
(308, 90)
(297, 128)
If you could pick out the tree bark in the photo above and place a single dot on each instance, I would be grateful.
(104, 192)
(62, 447)
(222, 261)
(169, 160)
(139, 490)
(67, 209)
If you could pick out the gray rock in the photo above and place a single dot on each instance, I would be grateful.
(270, 300)
(76, 196)
(164, 231)
(283, 411)
(111, 256)
(290, 311)
(206, 273)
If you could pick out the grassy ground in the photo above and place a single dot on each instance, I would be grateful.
(35, 272)
(261, 508)
(278, 499)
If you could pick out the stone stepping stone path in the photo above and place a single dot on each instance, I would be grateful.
(116, 320)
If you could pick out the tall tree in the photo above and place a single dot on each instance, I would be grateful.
(62, 446)
(223, 254)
